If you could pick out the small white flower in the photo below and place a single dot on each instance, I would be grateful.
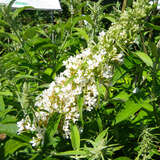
(135, 90)
(73, 109)
(102, 34)
(86, 52)
(34, 142)
(20, 126)
(65, 109)
(55, 106)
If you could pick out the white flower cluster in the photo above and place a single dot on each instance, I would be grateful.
(25, 124)
(81, 74)
(78, 78)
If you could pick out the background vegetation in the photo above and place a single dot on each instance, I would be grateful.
(33, 45)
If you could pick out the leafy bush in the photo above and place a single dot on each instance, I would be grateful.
(84, 86)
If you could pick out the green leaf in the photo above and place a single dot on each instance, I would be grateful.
(129, 109)
(47, 46)
(75, 137)
(155, 27)
(80, 107)
(110, 18)
(10, 129)
(12, 145)
(123, 96)
(145, 58)
(4, 112)
(9, 6)
(156, 152)
(128, 62)
(82, 33)
(38, 42)
(144, 112)
(48, 71)
(20, 76)
(147, 106)
(52, 127)
(9, 119)
(122, 158)
(2, 105)
(101, 90)
(23, 138)
(6, 93)
(35, 156)
(140, 116)
(78, 19)
(19, 10)
(99, 122)
(70, 153)
(4, 23)
(30, 33)
(154, 49)
(9, 35)
(89, 141)
(118, 74)
(100, 137)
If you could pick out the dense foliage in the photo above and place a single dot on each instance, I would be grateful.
(81, 83)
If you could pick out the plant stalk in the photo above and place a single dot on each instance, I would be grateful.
(154, 86)
(124, 5)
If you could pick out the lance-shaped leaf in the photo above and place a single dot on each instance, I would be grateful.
(145, 58)
(75, 137)
(80, 108)
(122, 158)
(130, 108)
(2, 105)
(9, 129)
(52, 127)
(12, 145)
